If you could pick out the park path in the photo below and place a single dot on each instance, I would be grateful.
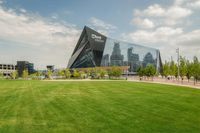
(167, 82)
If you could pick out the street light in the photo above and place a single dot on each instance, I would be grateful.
(178, 60)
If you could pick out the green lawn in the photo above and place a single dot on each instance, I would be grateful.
(97, 107)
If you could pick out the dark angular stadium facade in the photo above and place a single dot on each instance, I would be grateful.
(96, 50)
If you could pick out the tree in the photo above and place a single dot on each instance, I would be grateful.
(61, 73)
(38, 74)
(76, 74)
(102, 73)
(150, 71)
(195, 69)
(188, 70)
(115, 72)
(14, 74)
(82, 74)
(94, 73)
(176, 71)
(183, 68)
(172, 70)
(25, 74)
(166, 69)
(141, 72)
(67, 73)
(49, 74)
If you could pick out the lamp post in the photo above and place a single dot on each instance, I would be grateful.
(178, 60)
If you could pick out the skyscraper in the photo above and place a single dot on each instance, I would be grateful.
(133, 59)
(148, 59)
(116, 59)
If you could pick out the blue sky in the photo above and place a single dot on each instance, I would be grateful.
(46, 31)
(78, 12)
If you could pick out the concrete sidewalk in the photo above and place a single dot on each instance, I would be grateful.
(81, 80)
(166, 83)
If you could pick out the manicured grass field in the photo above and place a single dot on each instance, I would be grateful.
(97, 107)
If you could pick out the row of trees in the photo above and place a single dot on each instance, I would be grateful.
(187, 69)
(93, 73)
(149, 71)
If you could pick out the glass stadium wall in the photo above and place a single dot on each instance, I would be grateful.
(96, 50)
(118, 53)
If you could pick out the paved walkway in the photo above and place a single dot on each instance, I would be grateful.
(82, 80)
(166, 82)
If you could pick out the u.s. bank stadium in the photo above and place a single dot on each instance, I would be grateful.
(96, 50)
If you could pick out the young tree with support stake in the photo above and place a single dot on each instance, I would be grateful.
(76, 74)
(67, 73)
(195, 69)
(141, 72)
(25, 74)
(166, 69)
(14, 74)
(183, 68)
(150, 71)
(115, 72)
(172, 70)
(61, 73)
(188, 70)
(49, 74)
(102, 73)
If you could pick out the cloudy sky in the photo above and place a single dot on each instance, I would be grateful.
(46, 31)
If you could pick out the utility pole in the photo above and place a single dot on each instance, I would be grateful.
(178, 60)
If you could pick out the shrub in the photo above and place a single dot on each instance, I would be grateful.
(115, 72)
(76, 74)
(150, 71)
(14, 74)
(67, 73)
(25, 74)
(102, 73)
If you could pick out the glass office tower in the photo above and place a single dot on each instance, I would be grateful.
(96, 50)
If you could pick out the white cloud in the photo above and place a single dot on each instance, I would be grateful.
(179, 2)
(101, 26)
(194, 4)
(175, 15)
(159, 35)
(46, 42)
(190, 39)
(167, 39)
(153, 11)
(171, 15)
(171, 28)
(22, 10)
(143, 23)
(176, 12)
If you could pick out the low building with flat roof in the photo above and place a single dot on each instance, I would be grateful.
(7, 69)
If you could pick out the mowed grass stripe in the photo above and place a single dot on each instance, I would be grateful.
(36, 106)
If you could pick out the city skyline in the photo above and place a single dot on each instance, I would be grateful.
(118, 53)
(46, 32)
